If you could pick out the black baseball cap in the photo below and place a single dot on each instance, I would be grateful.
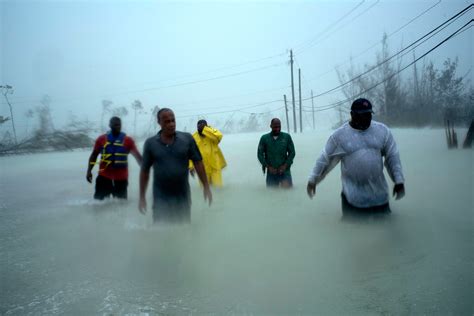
(361, 106)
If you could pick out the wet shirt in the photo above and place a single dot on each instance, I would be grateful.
(276, 152)
(109, 171)
(362, 156)
(170, 164)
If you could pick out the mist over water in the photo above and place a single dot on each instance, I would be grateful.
(254, 251)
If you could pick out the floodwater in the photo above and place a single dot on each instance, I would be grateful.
(253, 252)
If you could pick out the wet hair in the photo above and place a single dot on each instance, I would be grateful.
(161, 111)
(274, 119)
(114, 118)
(202, 121)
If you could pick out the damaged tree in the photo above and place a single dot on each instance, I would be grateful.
(47, 139)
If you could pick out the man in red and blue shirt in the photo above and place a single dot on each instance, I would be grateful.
(114, 148)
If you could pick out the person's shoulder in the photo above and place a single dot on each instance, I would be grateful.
(128, 139)
(380, 126)
(344, 128)
(285, 134)
(341, 133)
(129, 142)
(265, 136)
(100, 141)
(184, 135)
(101, 138)
(150, 140)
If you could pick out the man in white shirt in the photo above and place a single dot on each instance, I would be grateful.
(361, 145)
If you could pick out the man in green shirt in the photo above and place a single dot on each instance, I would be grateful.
(276, 152)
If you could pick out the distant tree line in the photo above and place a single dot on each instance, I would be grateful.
(46, 137)
(76, 133)
(428, 98)
(247, 123)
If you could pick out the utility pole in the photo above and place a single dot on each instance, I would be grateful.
(301, 103)
(312, 107)
(293, 90)
(6, 89)
(286, 112)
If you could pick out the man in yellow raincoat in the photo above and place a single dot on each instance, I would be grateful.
(207, 139)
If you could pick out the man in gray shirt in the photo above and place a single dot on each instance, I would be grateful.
(361, 145)
(169, 153)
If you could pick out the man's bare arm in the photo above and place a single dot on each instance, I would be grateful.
(144, 177)
(138, 156)
(92, 160)
(199, 166)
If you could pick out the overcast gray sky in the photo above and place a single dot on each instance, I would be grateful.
(203, 57)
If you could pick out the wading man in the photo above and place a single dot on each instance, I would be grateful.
(114, 148)
(276, 152)
(363, 147)
(169, 153)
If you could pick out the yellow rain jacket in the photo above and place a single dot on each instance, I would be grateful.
(212, 156)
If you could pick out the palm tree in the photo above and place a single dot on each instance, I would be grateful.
(136, 106)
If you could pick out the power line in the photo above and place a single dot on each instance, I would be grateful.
(363, 12)
(204, 80)
(336, 30)
(330, 106)
(243, 106)
(454, 34)
(173, 85)
(378, 42)
(257, 69)
(229, 97)
(430, 34)
(193, 75)
(400, 28)
(465, 31)
(234, 74)
(233, 110)
(339, 103)
(304, 44)
(226, 67)
(280, 108)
